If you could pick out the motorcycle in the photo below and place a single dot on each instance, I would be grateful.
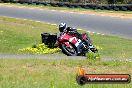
(69, 43)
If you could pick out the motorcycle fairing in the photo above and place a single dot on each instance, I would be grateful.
(66, 39)
(84, 36)
(67, 44)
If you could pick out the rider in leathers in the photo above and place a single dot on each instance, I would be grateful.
(63, 28)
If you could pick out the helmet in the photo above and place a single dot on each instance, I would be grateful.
(62, 26)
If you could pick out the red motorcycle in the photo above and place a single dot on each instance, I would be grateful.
(69, 43)
(74, 46)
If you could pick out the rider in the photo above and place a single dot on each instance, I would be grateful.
(63, 28)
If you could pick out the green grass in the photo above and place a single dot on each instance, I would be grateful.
(113, 46)
(70, 9)
(38, 73)
(17, 33)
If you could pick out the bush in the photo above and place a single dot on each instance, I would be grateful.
(39, 49)
(93, 56)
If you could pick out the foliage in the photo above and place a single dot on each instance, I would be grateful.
(39, 49)
(93, 56)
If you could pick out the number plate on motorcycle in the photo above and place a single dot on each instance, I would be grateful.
(78, 42)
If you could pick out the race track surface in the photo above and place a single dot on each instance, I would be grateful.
(45, 57)
(100, 24)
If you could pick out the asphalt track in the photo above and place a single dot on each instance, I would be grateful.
(47, 57)
(13, 56)
(100, 24)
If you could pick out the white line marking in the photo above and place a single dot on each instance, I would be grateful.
(31, 8)
(81, 13)
(30, 20)
(92, 14)
(48, 23)
(88, 31)
(71, 12)
(41, 9)
(53, 10)
(62, 11)
(25, 19)
(38, 21)
(79, 29)
(54, 24)
(103, 15)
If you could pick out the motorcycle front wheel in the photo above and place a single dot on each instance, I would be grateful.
(70, 51)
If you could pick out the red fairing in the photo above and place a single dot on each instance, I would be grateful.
(65, 37)
(67, 44)
(84, 36)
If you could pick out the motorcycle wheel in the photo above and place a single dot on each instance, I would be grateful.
(70, 51)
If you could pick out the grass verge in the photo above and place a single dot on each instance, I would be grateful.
(17, 33)
(38, 73)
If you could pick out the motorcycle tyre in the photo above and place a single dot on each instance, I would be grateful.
(65, 51)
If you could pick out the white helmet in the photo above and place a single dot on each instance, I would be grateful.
(62, 26)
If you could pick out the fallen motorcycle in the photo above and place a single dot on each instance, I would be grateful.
(69, 44)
